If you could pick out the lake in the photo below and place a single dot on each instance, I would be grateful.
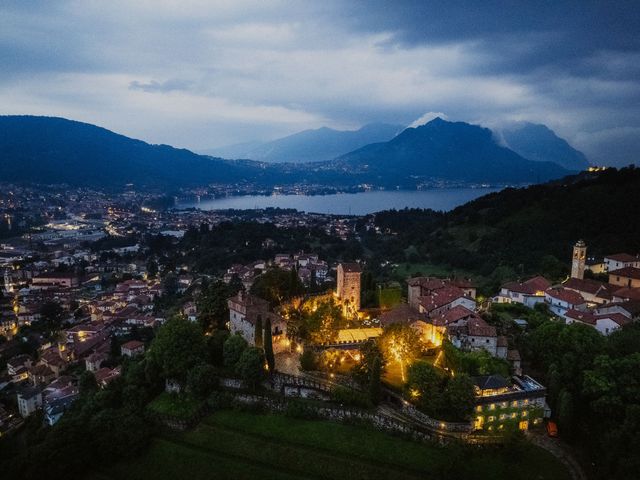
(360, 203)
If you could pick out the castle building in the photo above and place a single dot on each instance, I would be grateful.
(579, 259)
(348, 288)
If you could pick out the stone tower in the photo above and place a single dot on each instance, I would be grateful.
(348, 289)
(579, 258)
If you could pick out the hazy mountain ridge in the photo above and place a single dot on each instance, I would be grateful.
(317, 145)
(541, 144)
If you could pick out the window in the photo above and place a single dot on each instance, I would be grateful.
(514, 415)
(514, 403)
(479, 408)
(524, 414)
(492, 406)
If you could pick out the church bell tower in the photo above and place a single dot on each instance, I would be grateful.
(579, 258)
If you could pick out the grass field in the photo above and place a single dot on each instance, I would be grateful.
(240, 445)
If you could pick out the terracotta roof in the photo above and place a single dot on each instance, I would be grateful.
(502, 341)
(622, 257)
(566, 295)
(441, 297)
(618, 318)
(628, 272)
(584, 317)
(593, 287)
(477, 327)
(402, 313)
(457, 313)
(132, 345)
(529, 287)
(628, 293)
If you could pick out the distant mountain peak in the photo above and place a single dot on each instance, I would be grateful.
(537, 142)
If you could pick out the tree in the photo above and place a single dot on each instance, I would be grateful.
(250, 366)
(202, 380)
(374, 381)
(258, 331)
(425, 386)
(276, 285)
(170, 284)
(400, 343)
(213, 310)
(152, 268)
(87, 383)
(460, 397)
(51, 313)
(178, 347)
(268, 346)
(308, 360)
(215, 345)
(232, 350)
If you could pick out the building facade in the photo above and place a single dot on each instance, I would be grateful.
(348, 286)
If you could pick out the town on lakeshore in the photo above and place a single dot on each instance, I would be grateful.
(187, 312)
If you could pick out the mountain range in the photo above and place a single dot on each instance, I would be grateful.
(56, 150)
(317, 145)
(540, 143)
(439, 149)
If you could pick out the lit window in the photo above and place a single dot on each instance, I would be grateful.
(514, 403)
(492, 406)
(479, 408)
(491, 419)
(513, 415)
(524, 414)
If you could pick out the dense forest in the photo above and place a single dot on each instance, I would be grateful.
(518, 232)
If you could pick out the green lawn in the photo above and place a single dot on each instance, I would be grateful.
(176, 405)
(241, 445)
(406, 270)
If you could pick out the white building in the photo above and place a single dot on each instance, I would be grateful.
(560, 300)
(528, 293)
(620, 260)
(29, 400)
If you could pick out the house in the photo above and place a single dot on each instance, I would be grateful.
(132, 348)
(29, 400)
(528, 293)
(593, 291)
(41, 375)
(620, 260)
(516, 403)
(47, 281)
(94, 361)
(605, 323)
(630, 309)
(625, 277)
(244, 312)
(56, 407)
(190, 311)
(18, 363)
(435, 296)
(561, 299)
(106, 375)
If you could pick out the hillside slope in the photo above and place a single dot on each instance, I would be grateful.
(56, 150)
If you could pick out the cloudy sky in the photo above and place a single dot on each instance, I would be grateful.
(201, 74)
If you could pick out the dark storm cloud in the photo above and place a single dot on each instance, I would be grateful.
(201, 73)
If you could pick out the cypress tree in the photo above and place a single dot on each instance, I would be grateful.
(258, 332)
(374, 380)
(268, 346)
